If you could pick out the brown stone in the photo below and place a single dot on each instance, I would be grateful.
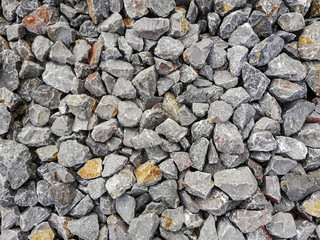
(38, 21)
(91, 169)
(147, 173)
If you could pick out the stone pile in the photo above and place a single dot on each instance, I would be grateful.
(160, 119)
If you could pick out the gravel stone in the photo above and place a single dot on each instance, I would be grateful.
(282, 225)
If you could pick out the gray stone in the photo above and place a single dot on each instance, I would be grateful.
(10, 99)
(161, 8)
(33, 136)
(255, 82)
(61, 31)
(217, 57)
(200, 109)
(119, 183)
(124, 89)
(216, 203)
(235, 96)
(163, 67)
(60, 173)
(280, 165)
(128, 114)
(232, 21)
(295, 114)
(60, 77)
(41, 47)
(81, 105)
(262, 142)
(26, 196)
(166, 192)
(30, 69)
(192, 12)
(60, 53)
(172, 219)
(72, 153)
(179, 25)
(239, 183)
(38, 115)
(62, 126)
(297, 186)
(219, 112)
(187, 74)
(94, 85)
(242, 115)
(145, 82)
(113, 24)
(255, 219)
(226, 230)
(119, 69)
(107, 107)
(271, 107)
(286, 91)
(266, 50)
(286, 68)
(15, 31)
(8, 70)
(282, 225)
(237, 55)
(186, 117)
(171, 130)
(308, 42)
(198, 153)
(86, 227)
(152, 117)
(291, 22)
(309, 135)
(88, 29)
(198, 183)
(169, 169)
(112, 164)
(271, 188)
(169, 48)
(33, 216)
(135, 9)
(146, 139)
(151, 28)
(225, 79)
(197, 53)
(208, 230)
(227, 138)
(213, 22)
(144, 226)
(81, 51)
(125, 206)
(181, 159)
(291, 148)
(104, 131)
(83, 207)
(191, 36)
(243, 36)
(5, 119)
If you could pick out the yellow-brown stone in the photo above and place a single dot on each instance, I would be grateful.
(148, 173)
(91, 169)
(312, 205)
(46, 234)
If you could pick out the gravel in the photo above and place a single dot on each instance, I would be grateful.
(159, 119)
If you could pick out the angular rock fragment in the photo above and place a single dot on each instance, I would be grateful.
(198, 153)
(310, 205)
(266, 50)
(286, 91)
(262, 142)
(239, 183)
(86, 227)
(146, 139)
(308, 42)
(72, 153)
(33, 216)
(151, 28)
(119, 183)
(179, 25)
(227, 230)
(5, 119)
(125, 206)
(61, 31)
(144, 226)
(91, 169)
(219, 112)
(135, 9)
(282, 225)
(171, 130)
(197, 53)
(166, 192)
(227, 138)
(198, 183)
(33, 136)
(235, 96)
(172, 219)
(81, 105)
(8, 71)
(286, 68)
(279, 165)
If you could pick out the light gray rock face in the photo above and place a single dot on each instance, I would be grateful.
(72, 153)
(255, 82)
(33, 216)
(198, 183)
(266, 50)
(119, 183)
(309, 135)
(286, 91)
(135, 9)
(239, 183)
(295, 114)
(237, 55)
(151, 28)
(286, 68)
(146, 139)
(5, 119)
(308, 46)
(171, 130)
(8, 71)
(118, 68)
(169, 48)
(112, 164)
(227, 138)
(226, 230)
(144, 226)
(198, 153)
(197, 53)
(125, 206)
(282, 225)
(219, 112)
(86, 227)
(33, 136)
(58, 76)
(291, 147)
(243, 36)
(262, 142)
(145, 82)
(255, 219)
(129, 114)
(104, 131)
(291, 22)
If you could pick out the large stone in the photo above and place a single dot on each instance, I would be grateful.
(171, 130)
(239, 183)
(72, 153)
(144, 226)
(135, 8)
(151, 28)
(282, 225)
(86, 227)
(309, 41)
(197, 53)
(198, 183)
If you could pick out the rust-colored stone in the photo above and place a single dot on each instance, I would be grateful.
(147, 172)
(46, 234)
(93, 53)
(91, 169)
(169, 222)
